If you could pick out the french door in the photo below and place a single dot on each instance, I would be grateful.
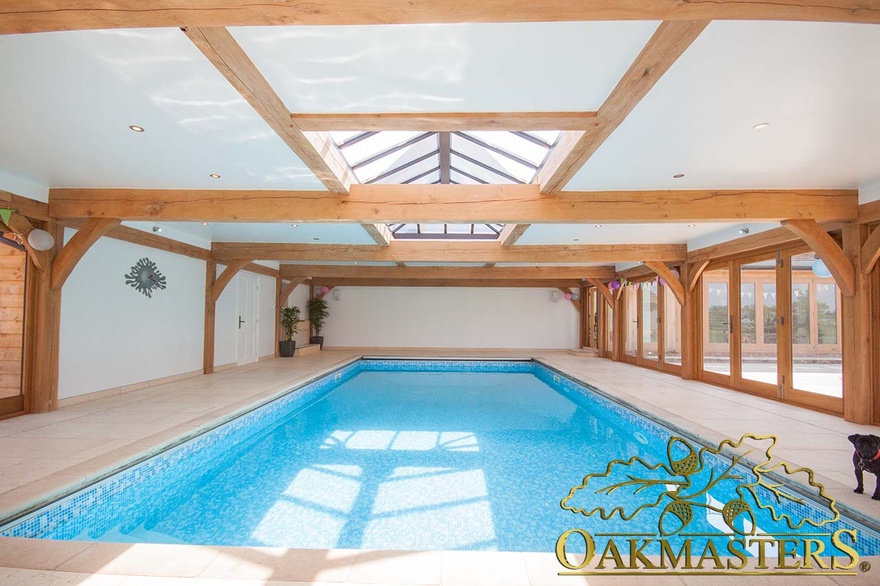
(653, 326)
(770, 326)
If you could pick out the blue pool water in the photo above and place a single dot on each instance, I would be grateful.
(393, 455)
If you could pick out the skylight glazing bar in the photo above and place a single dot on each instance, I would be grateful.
(357, 138)
(489, 168)
(535, 139)
(498, 150)
(393, 149)
(469, 176)
(399, 168)
(420, 175)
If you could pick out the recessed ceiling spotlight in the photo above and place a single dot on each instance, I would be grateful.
(157, 229)
(214, 176)
(678, 176)
(577, 239)
(315, 238)
(743, 230)
(204, 223)
(597, 226)
(136, 128)
(761, 126)
(293, 225)
(692, 225)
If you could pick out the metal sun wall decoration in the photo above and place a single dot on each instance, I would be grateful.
(145, 277)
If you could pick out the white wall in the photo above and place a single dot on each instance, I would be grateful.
(869, 192)
(112, 335)
(450, 318)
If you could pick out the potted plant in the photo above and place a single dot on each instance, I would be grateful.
(290, 317)
(317, 316)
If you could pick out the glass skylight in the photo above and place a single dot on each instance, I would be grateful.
(455, 158)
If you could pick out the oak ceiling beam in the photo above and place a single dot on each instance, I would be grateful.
(767, 241)
(511, 233)
(25, 206)
(361, 282)
(289, 271)
(573, 149)
(317, 150)
(77, 247)
(447, 121)
(506, 204)
(380, 233)
(869, 213)
(449, 251)
(828, 250)
(27, 16)
(20, 225)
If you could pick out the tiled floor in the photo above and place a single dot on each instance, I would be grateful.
(43, 454)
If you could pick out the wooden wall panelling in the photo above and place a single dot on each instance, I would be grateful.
(13, 263)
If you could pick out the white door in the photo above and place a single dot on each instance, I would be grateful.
(246, 338)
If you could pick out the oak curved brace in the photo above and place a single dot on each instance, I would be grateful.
(665, 273)
(226, 276)
(22, 226)
(76, 248)
(827, 249)
(871, 251)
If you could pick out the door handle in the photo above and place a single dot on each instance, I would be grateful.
(240, 321)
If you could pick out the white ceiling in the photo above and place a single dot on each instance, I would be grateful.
(561, 66)
(68, 99)
(817, 84)
(336, 233)
(618, 233)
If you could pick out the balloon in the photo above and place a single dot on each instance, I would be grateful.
(568, 296)
(676, 273)
(614, 285)
(662, 282)
(820, 270)
(325, 290)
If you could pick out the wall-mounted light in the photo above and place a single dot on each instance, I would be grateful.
(554, 296)
(40, 239)
(744, 231)
(157, 229)
(337, 294)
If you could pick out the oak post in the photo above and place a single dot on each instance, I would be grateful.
(210, 275)
(857, 334)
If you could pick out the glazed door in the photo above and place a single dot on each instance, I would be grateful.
(716, 326)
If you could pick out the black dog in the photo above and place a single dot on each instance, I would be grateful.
(866, 458)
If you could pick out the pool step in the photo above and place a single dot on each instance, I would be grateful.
(306, 349)
(585, 352)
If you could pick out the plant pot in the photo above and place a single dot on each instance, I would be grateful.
(317, 340)
(285, 348)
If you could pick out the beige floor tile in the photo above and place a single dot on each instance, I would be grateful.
(19, 577)
(38, 554)
(466, 568)
(140, 559)
(397, 567)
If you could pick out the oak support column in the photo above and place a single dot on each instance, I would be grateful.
(602, 308)
(43, 332)
(689, 326)
(619, 327)
(210, 276)
(278, 302)
(857, 333)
